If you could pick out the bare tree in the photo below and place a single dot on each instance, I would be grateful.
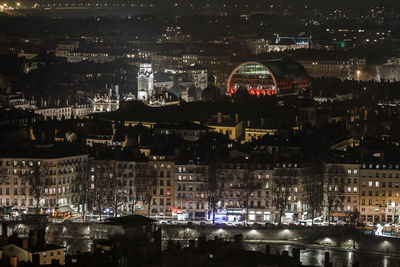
(102, 191)
(215, 183)
(333, 188)
(83, 186)
(99, 201)
(119, 195)
(312, 193)
(248, 186)
(145, 185)
(35, 178)
(4, 176)
(284, 181)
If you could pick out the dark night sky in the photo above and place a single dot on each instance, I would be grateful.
(355, 3)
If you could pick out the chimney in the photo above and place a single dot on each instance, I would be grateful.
(327, 259)
(236, 118)
(25, 244)
(262, 122)
(33, 238)
(114, 130)
(4, 229)
(219, 117)
(36, 259)
(248, 123)
(13, 261)
(41, 237)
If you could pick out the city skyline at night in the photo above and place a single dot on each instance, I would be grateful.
(202, 133)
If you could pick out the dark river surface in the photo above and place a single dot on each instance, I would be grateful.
(339, 257)
(309, 255)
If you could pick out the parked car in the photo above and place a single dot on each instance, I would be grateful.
(340, 223)
(256, 225)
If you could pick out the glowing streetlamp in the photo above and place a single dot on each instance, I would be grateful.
(358, 75)
(394, 211)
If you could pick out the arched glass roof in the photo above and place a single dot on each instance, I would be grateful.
(268, 77)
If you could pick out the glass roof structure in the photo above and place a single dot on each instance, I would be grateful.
(269, 77)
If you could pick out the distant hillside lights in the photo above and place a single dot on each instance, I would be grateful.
(280, 44)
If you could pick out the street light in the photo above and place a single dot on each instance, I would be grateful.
(394, 210)
(358, 75)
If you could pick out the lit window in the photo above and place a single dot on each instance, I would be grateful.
(376, 184)
(370, 183)
(355, 171)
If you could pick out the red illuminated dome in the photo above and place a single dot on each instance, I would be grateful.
(269, 77)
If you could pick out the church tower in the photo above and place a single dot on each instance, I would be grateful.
(145, 82)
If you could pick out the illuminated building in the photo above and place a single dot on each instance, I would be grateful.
(76, 56)
(190, 192)
(58, 113)
(342, 186)
(247, 193)
(79, 111)
(47, 253)
(295, 209)
(163, 201)
(27, 54)
(225, 124)
(64, 48)
(18, 101)
(173, 34)
(353, 68)
(282, 43)
(163, 98)
(379, 192)
(107, 102)
(269, 77)
(257, 129)
(59, 172)
(112, 186)
(188, 130)
(145, 82)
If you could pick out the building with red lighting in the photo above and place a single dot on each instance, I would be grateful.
(268, 77)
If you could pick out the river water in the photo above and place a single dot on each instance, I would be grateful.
(339, 257)
(309, 255)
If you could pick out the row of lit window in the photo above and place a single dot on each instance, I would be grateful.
(383, 184)
(383, 202)
(377, 175)
(383, 193)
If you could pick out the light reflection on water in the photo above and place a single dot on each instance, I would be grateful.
(308, 256)
(339, 258)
